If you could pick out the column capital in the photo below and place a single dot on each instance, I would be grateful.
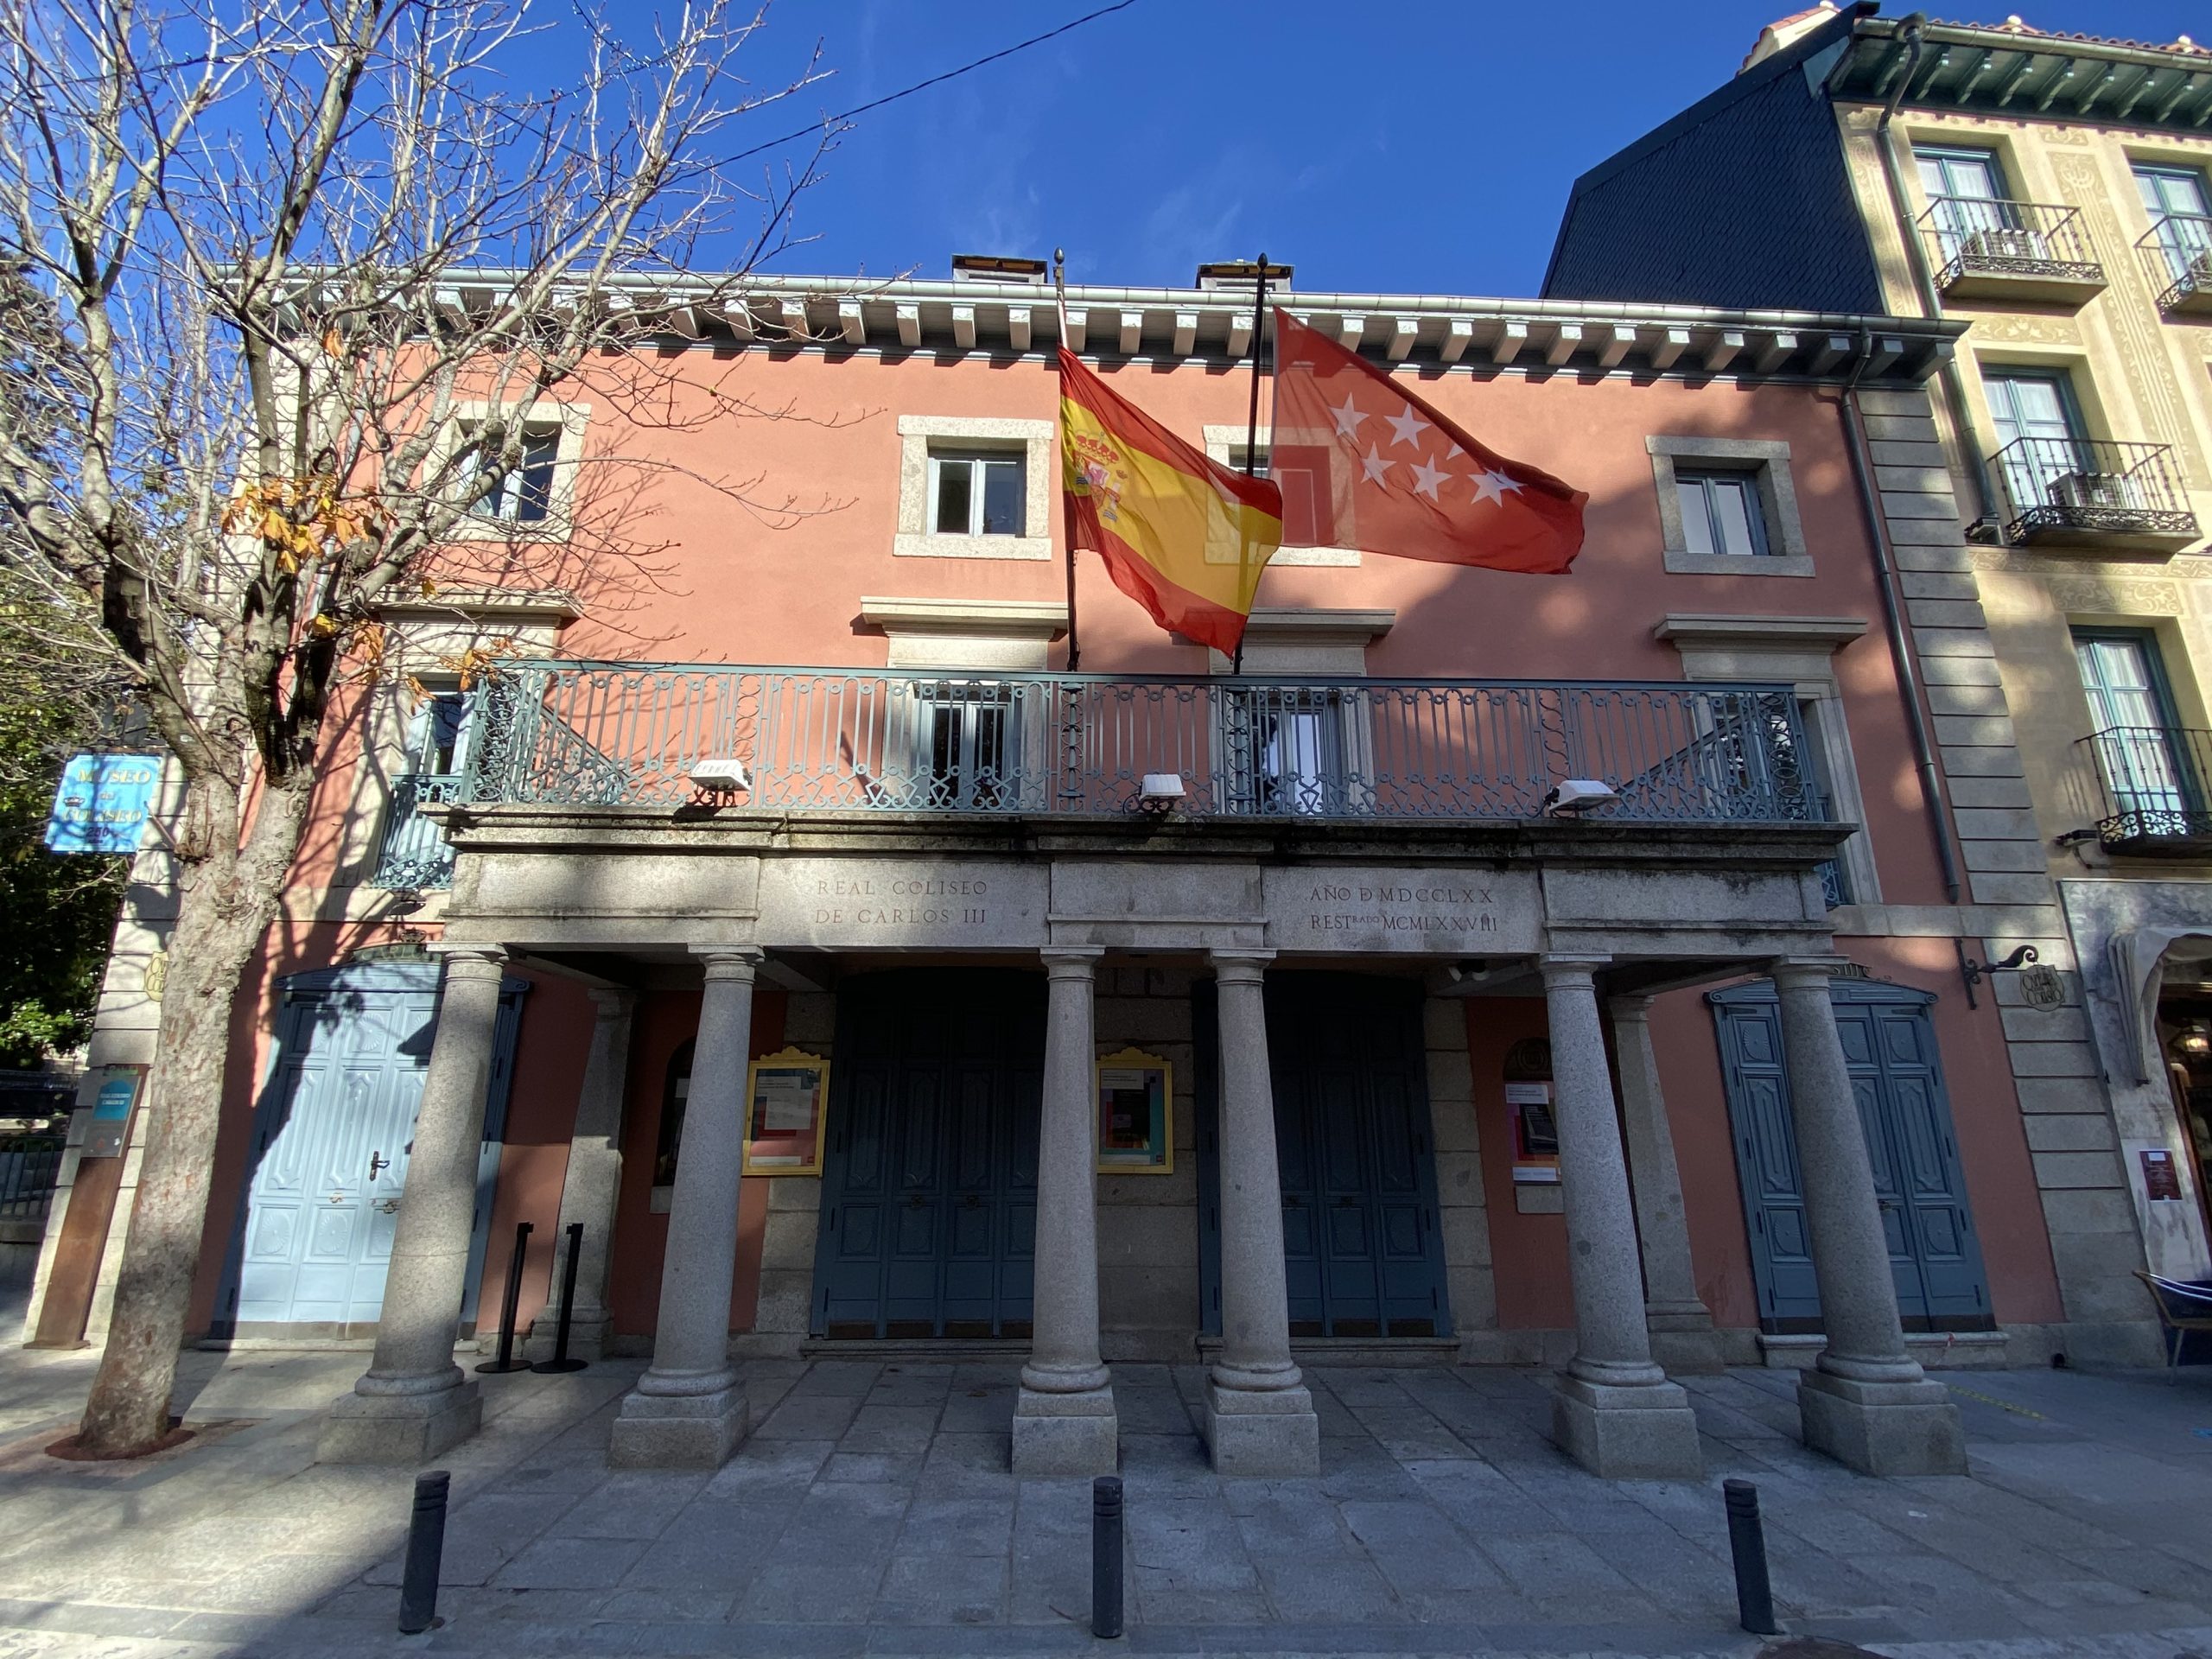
(470, 961)
(729, 961)
(1635, 1008)
(1566, 969)
(1800, 973)
(1071, 961)
(1240, 966)
(613, 1001)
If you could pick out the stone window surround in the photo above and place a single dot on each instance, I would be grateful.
(571, 419)
(422, 637)
(1008, 634)
(1800, 651)
(1221, 441)
(1033, 440)
(1308, 641)
(1767, 460)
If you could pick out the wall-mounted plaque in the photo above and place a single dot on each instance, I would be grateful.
(1136, 1114)
(783, 1093)
(108, 1132)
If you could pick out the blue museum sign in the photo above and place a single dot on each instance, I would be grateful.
(102, 804)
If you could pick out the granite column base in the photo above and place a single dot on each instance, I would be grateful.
(1642, 1433)
(1882, 1428)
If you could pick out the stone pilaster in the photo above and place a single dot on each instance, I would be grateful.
(414, 1402)
(1613, 1409)
(594, 1180)
(1063, 1420)
(1683, 1339)
(1259, 1416)
(690, 1411)
(1866, 1402)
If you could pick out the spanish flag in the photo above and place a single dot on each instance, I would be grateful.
(1183, 536)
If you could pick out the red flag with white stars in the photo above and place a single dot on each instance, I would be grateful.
(1364, 463)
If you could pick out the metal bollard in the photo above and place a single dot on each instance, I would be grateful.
(426, 1547)
(507, 1361)
(1106, 1556)
(1747, 1543)
(560, 1362)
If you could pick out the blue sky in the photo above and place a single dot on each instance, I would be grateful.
(1418, 145)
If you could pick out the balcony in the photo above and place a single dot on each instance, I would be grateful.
(2177, 256)
(809, 742)
(413, 855)
(2028, 251)
(2152, 801)
(2094, 492)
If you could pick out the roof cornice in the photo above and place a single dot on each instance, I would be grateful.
(1998, 71)
(1427, 331)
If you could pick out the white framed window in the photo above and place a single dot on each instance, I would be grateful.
(536, 499)
(525, 494)
(977, 493)
(1727, 506)
(1228, 445)
(974, 488)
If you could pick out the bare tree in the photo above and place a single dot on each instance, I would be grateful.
(317, 269)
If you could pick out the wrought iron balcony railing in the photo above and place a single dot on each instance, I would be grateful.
(413, 854)
(2094, 489)
(2031, 250)
(2151, 782)
(1084, 745)
(2177, 256)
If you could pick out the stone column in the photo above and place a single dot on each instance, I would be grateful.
(1682, 1336)
(593, 1183)
(1866, 1402)
(690, 1410)
(1613, 1410)
(414, 1402)
(1259, 1418)
(1064, 1418)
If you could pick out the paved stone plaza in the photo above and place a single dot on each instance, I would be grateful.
(872, 1511)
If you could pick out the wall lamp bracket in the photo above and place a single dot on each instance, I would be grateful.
(1973, 973)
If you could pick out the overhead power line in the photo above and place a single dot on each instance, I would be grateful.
(934, 80)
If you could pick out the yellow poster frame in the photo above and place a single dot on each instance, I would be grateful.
(787, 1059)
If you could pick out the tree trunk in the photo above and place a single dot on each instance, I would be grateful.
(225, 907)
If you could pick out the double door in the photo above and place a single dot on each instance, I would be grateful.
(1889, 1047)
(332, 1139)
(930, 1185)
(1362, 1252)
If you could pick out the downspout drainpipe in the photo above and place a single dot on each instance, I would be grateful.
(1931, 304)
(1924, 743)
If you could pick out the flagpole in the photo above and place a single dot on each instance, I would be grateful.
(1067, 507)
(1252, 418)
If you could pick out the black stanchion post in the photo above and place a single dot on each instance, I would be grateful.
(426, 1547)
(1106, 1556)
(1747, 1543)
(507, 1361)
(560, 1362)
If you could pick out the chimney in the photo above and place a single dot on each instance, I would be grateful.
(995, 268)
(1235, 274)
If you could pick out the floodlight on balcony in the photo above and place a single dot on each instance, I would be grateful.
(1578, 795)
(719, 775)
(1159, 791)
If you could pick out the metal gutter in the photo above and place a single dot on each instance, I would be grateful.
(1931, 302)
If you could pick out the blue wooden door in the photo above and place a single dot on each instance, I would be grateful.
(332, 1138)
(928, 1196)
(1889, 1047)
(1361, 1248)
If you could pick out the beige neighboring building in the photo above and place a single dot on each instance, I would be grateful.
(2054, 190)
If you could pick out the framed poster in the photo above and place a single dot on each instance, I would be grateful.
(1136, 1114)
(1535, 1138)
(107, 1132)
(784, 1092)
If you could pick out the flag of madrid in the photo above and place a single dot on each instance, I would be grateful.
(1364, 463)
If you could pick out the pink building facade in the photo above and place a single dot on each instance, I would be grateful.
(783, 912)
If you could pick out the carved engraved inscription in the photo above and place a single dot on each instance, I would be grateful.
(918, 900)
(1457, 907)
